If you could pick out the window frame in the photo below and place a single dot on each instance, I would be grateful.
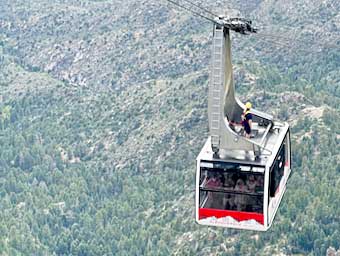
(231, 168)
(276, 169)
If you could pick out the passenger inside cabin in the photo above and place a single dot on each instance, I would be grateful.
(251, 183)
(229, 182)
(240, 200)
(229, 202)
(259, 181)
(251, 200)
(214, 198)
(213, 181)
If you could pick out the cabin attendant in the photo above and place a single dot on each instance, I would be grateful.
(247, 118)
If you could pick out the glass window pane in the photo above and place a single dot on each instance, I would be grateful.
(233, 202)
(232, 188)
(277, 171)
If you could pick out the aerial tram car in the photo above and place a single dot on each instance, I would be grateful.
(240, 180)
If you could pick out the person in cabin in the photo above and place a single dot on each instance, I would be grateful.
(259, 182)
(251, 183)
(229, 182)
(213, 181)
(251, 186)
(241, 200)
(229, 202)
(214, 198)
(247, 120)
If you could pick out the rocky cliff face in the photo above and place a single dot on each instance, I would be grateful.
(110, 44)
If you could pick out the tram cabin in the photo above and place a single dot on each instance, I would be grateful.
(240, 191)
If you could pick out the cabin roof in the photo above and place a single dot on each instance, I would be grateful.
(271, 145)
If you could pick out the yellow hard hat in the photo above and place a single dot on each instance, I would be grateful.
(248, 105)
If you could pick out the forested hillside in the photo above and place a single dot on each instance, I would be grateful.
(103, 110)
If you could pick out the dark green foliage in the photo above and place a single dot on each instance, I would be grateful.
(98, 158)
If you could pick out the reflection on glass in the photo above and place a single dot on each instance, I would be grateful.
(231, 190)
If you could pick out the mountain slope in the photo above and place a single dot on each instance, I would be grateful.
(108, 113)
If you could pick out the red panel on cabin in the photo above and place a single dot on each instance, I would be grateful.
(239, 216)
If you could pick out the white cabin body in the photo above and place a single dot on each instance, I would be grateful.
(238, 189)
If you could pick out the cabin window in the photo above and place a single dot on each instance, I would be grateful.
(277, 171)
(237, 188)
